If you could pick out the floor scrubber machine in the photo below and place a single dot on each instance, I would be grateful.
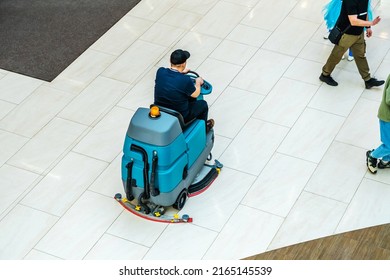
(165, 161)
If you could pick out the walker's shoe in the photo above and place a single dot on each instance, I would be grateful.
(373, 83)
(209, 125)
(383, 164)
(328, 80)
(350, 58)
(371, 162)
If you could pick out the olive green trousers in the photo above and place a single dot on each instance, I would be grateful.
(358, 46)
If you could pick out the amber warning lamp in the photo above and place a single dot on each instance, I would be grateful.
(154, 112)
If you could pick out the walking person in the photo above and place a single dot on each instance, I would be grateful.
(380, 157)
(331, 13)
(354, 15)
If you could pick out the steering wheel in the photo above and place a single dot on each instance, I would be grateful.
(205, 88)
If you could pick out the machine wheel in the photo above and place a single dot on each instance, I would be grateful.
(181, 200)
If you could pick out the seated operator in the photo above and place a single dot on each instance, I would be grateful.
(177, 91)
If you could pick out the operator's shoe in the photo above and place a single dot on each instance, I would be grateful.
(350, 58)
(371, 162)
(209, 125)
(383, 164)
(328, 80)
(373, 83)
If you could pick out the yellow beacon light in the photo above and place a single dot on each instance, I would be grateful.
(154, 112)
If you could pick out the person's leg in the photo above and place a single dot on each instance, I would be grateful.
(337, 53)
(384, 149)
(199, 110)
(382, 152)
(359, 53)
(350, 55)
(334, 58)
(384, 162)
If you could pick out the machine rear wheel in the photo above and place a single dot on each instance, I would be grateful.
(181, 200)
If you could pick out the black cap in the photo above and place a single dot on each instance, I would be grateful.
(179, 57)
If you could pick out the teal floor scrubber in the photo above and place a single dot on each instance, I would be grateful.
(165, 161)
